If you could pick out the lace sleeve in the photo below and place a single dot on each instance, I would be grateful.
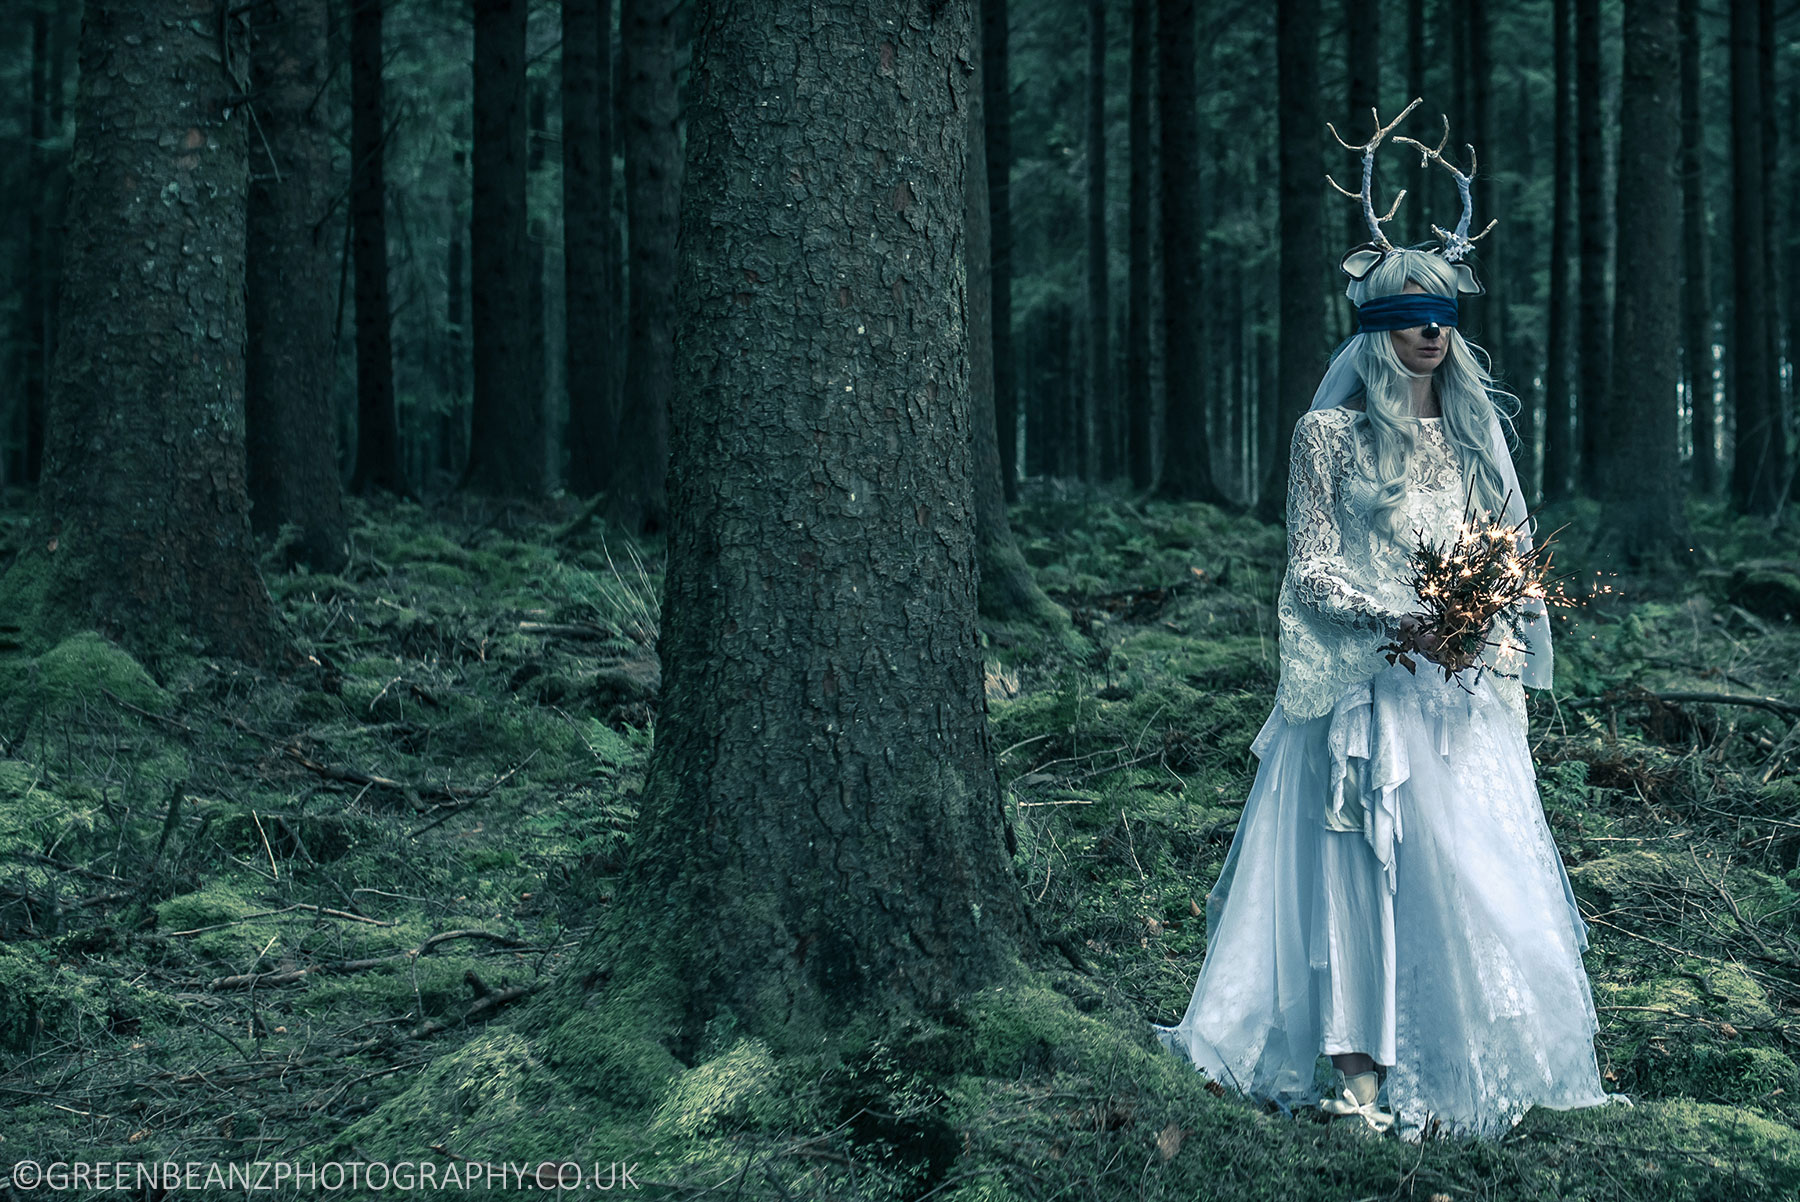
(1317, 573)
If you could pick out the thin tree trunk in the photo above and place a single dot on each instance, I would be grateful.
(1593, 312)
(1007, 590)
(587, 230)
(377, 417)
(144, 526)
(1187, 462)
(454, 422)
(1559, 416)
(1756, 470)
(289, 294)
(39, 301)
(1489, 316)
(1302, 306)
(653, 171)
(1137, 318)
(890, 885)
(997, 102)
(1362, 63)
(507, 454)
(1697, 323)
(1097, 418)
(1641, 464)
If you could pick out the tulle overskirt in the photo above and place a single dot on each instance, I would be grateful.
(1441, 937)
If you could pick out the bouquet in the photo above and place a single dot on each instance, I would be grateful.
(1482, 579)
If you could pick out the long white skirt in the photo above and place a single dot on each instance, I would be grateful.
(1393, 889)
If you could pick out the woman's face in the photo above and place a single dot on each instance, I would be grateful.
(1420, 348)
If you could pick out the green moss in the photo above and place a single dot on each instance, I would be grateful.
(742, 1087)
(1617, 877)
(35, 815)
(611, 1050)
(233, 940)
(39, 997)
(73, 673)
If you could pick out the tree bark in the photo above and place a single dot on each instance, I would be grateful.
(377, 417)
(1187, 458)
(996, 75)
(1756, 469)
(1593, 312)
(587, 231)
(1697, 322)
(1137, 314)
(144, 526)
(653, 183)
(37, 311)
(1302, 303)
(1099, 415)
(1362, 73)
(1644, 506)
(1007, 590)
(821, 830)
(1559, 415)
(291, 429)
(507, 451)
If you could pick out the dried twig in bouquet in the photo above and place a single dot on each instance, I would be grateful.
(1481, 579)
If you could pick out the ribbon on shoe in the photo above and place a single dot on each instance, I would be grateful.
(1347, 1103)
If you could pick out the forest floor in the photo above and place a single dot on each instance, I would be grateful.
(308, 914)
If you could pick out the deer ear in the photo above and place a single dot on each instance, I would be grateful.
(1466, 282)
(1361, 261)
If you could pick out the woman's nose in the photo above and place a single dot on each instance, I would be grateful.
(1430, 331)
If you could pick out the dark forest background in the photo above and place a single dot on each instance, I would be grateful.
(1099, 196)
(689, 583)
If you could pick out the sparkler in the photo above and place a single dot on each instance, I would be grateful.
(1481, 579)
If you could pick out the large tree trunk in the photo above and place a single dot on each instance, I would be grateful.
(1756, 469)
(1099, 418)
(996, 77)
(1697, 323)
(1187, 460)
(377, 417)
(653, 171)
(1593, 312)
(290, 290)
(1139, 451)
(507, 451)
(587, 230)
(144, 531)
(1300, 221)
(1644, 505)
(1559, 414)
(821, 831)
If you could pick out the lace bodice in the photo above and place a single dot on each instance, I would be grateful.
(1345, 592)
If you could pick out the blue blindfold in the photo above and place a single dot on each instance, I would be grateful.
(1405, 310)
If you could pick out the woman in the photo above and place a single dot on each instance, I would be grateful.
(1392, 897)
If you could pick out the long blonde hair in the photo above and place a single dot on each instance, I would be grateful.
(1466, 392)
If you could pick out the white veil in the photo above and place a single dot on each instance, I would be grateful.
(1537, 666)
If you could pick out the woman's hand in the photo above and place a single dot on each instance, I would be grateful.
(1416, 633)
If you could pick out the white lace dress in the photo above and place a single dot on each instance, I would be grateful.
(1392, 887)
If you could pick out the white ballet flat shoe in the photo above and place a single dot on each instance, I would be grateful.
(1356, 1095)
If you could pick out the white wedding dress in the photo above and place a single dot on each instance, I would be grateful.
(1392, 887)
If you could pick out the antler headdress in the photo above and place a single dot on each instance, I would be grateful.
(1454, 245)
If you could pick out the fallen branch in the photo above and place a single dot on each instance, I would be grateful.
(1775, 705)
(454, 793)
(290, 976)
